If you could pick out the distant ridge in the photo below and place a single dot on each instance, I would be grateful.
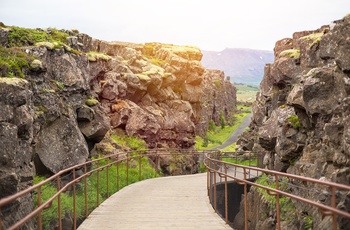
(242, 65)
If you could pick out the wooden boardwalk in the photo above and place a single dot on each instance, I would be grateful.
(178, 202)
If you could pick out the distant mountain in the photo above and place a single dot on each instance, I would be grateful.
(242, 65)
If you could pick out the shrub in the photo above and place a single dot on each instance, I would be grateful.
(211, 125)
(294, 121)
(222, 120)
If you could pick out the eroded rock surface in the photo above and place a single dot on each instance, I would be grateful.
(301, 117)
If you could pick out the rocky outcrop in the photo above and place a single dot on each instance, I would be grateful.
(219, 98)
(77, 91)
(300, 123)
(16, 135)
(83, 87)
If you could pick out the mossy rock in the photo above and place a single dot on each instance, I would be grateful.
(48, 45)
(95, 56)
(291, 53)
(143, 77)
(13, 81)
(91, 102)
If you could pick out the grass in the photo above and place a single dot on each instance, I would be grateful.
(252, 162)
(291, 53)
(128, 173)
(23, 36)
(13, 61)
(95, 56)
(134, 143)
(217, 135)
(246, 93)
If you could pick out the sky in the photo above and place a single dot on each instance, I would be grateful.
(207, 24)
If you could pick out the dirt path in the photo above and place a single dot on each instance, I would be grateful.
(234, 137)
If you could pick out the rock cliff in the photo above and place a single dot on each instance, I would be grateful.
(300, 119)
(63, 93)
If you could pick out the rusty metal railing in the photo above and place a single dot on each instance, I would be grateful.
(277, 184)
(79, 179)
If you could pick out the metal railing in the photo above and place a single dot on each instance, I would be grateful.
(278, 185)
(112, 168)
(78, 177)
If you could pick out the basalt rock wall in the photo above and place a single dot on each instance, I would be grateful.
(301, 116)
(72, 95)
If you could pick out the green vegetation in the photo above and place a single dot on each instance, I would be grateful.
(95, 56)
(291, 53)
(91, 101)
(158, 62)
(23, 36)
(230, 148)
(13, 61)
(116, 182)
(222, 120)
(134, 143)
(217, 84)
(60, 85)
(287, 207)
(252, 162)
(314, 37)
(216, 135)
(308, 222)
(246, 92)
(294, 121)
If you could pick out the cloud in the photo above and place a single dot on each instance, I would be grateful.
(211, 25)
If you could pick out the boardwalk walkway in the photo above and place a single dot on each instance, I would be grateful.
(178, 202)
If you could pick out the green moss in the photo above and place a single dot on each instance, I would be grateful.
(95, 56)
(314, 38)
(291, 53)
(308, 222)
(91, 102)
(13, 62)
(294, 121)
(60, 84)
(23, 36)
(217, 83)
(40, 108)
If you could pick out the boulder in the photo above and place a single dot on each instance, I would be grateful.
(61, 144)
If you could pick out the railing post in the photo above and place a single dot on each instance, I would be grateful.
(127, 169)
(86, 193)
(333, 204)
(107, 178)
(245, 201)
(98, 185)
(74, 203)
(118, 177)
(226, 195)
(140, 166)
(59, 203)
(40, 217)
(0, 219)
(215, 187)
(278, 213)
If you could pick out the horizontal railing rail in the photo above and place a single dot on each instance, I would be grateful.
(243, 175)
(98, 167)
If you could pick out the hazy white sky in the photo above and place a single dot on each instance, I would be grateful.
(210, 25)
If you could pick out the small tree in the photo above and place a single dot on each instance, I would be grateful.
(222, 120)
